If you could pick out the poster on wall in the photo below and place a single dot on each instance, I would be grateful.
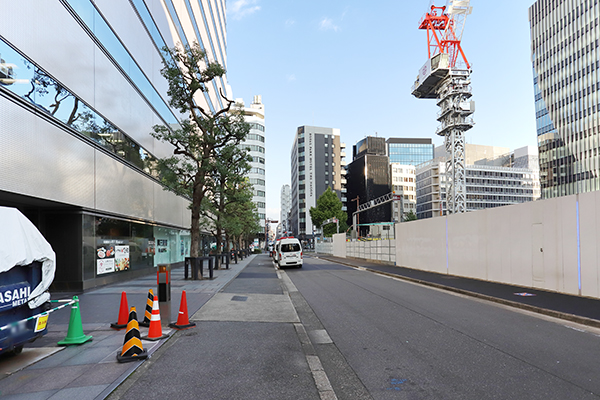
(112, 255)
(121, 258)
(162, 245)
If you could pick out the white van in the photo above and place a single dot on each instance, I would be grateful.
(276, 251)
(289, 252)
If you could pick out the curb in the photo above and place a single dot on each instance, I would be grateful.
(539, 310)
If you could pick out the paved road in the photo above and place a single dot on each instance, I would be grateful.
(406, 341)
(327, 331)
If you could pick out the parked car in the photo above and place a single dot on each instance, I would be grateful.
(276, 251)
(289, 252)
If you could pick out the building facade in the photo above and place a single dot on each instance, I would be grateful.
(286, 206)
(255, 143)
(404, 185)
(566, 67)
(317, 162)
(409, 151)
(80, 90)
(369, 179)
(507, 179)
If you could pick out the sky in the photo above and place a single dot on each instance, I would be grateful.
(351, 65)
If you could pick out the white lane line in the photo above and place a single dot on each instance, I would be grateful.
(319, 336)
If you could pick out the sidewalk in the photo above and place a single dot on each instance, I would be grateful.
(45, 370)
(577, 309)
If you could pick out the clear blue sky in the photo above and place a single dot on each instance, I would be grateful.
(351, 65)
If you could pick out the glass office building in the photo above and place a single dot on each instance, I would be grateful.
(80, 90)
(564, 43)
(408, 151)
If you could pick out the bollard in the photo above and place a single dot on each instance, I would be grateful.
(163, 279)
(188, 264)
(210, 267)
(227, 261)
(199, 268)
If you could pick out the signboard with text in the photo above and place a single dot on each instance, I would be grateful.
(112, 255)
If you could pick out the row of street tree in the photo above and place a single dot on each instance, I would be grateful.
(209, 163)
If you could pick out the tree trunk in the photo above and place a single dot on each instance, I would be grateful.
(219, 239)
(195, 234)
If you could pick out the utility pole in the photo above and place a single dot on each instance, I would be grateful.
(355, 223)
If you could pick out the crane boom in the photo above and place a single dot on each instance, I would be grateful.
(446, 77)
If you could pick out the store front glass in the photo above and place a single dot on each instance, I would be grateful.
(114, 246)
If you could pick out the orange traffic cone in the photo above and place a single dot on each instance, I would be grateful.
(123, 314)
(132, 345)
(148, 313)
(183, 322)
(155, 331)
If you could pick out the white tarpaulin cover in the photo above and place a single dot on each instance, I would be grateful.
(21, 244)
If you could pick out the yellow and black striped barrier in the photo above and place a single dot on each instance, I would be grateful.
(132, 345)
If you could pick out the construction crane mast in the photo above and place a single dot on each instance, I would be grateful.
(446, 77)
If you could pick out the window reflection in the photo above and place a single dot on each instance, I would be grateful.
(33, 84)
(98, 26)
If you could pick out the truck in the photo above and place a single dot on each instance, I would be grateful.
(27, 268)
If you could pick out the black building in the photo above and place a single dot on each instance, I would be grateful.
(369, 178)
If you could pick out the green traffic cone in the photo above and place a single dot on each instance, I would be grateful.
(75, 333)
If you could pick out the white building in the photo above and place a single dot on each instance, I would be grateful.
(286, 206)
(80, 90)
(493, 181)
(404, 185)
(255, 141)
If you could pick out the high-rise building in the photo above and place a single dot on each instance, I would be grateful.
(318, 161)
(565, 56)
(409, 151)
(369, 179)
(404, 185)
(255, 142)
(493, 180)
(80, 90)
(286, 206)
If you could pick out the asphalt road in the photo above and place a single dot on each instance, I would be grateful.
(406, 341)
(371, 337)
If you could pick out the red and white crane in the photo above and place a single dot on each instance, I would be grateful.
(446, 77)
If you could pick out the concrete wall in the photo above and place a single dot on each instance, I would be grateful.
(549, 244)
(339, 245)
(376, 250)
(324, 248)
(533, 244)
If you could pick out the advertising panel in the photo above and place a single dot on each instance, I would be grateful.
(112, 255)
